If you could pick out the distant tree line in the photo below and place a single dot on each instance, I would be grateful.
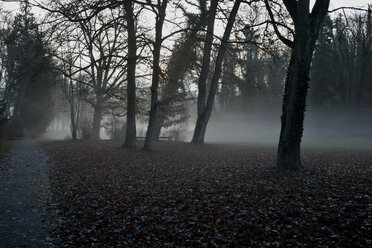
(341, 73)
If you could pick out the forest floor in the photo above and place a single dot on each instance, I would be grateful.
(181, 195)
(5, 152)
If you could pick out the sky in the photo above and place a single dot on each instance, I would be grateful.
(349, 3)
(334, 4)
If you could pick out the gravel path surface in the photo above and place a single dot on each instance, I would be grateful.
(21, 188)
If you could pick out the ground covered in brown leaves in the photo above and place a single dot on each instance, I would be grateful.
(5, 147)
(206, 196)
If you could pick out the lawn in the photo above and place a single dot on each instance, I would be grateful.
(181, 195)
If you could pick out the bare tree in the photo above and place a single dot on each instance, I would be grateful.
(73, 10)
(307, 25)
(4, 84)
(72, 90)
(183, 60)
(159, 10)
(105, 50)
(130, 137)
(202, 83)
(205, 109)
(102, 52)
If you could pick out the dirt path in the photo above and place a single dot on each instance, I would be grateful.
(21, 214)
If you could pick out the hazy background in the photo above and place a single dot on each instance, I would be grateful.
(248, 104)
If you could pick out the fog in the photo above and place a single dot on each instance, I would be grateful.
(343, 129)
(259, 125)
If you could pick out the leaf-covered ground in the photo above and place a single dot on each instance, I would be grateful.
(5, 147)
(206, 196)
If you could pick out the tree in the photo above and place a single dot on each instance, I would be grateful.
(4, 32)
(71, 80)
(130, 137)
(109, 30)
(253, 71)
(183, 59)
(30, 73)
(342, 59)
(202, 83)
(324, 69)
(205, 108)
(106, 59)
(305, 34)
(4, 89)
(160, 17)
(100, 54)
(72, 90)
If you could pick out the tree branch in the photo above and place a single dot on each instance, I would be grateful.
(343, 8)
(280, 36)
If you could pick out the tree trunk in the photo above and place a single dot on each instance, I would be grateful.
(203, 117)
(294, 105)
(364, 52)
(73, 122)
(202, 83)
(159, 126)
(130, 137)
(20, 97)
(307, 28)
(150, 134)
(73, 112)
(180, 62)
(96, 126)
(200, 128)
(74, 133)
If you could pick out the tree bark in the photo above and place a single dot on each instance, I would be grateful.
(307, 27)
(97, 117)
(182, 59)
(294, 105)
(203, 117)
(73, 121)
(150, 134)
(130, 137)
(364, 53)
(73, 97)
(202, 83)
(159, 126)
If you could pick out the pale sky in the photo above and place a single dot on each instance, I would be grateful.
(334, 4)
(349, 3)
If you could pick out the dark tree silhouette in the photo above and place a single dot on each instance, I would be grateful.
(307, 25)
(172, 109)
(156, 71)
(205, 109)
(130, 137)
(31, 74)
